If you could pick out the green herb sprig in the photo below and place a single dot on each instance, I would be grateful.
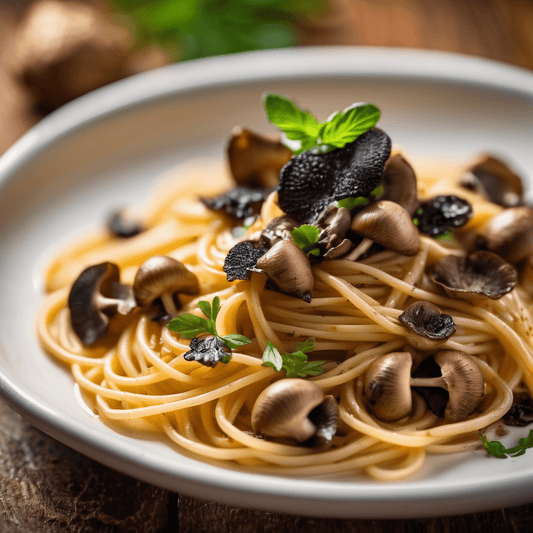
(190, 326)
(349, 203)
(295, 364)
(306, 236)
(497, 449)
(302, 131)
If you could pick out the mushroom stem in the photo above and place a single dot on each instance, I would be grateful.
(167, 299)
(429, 382)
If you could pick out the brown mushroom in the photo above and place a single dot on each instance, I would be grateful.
(256, 160)
(494, 180)
(478, 275)
(510, 234)
(289, 268)
(388, 383)
(388, 224)
(122, 225)
(162, 277)
(276, 230)
(334, 224)
(96, 296)
(431, 327)
(284, 409)
(460, 379)
(399, 183)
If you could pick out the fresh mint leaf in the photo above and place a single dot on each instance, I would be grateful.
(272, 357)
(497, 449)
(188, 325)
(306, 236)
(234, 340)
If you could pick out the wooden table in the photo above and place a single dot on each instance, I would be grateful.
(47, 487)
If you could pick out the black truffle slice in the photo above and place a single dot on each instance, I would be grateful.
(438, 215)
(311, 181)
(239, 202)
(241, 259)
(122, 226)
(521, 412)
(208, 351)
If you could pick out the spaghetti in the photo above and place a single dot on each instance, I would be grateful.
(136, 375)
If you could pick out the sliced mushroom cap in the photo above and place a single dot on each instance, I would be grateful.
(334, 224)
(399, 183)
(311, 181)
(277, 229)
(256, 160)
(289, 268)
(387, 387)
(282, 409)
(510, 234)
(432, 328)
(163, 277)
(458, 387)
(477, 275)
(388, 224)
(95, 296)
(494, 180)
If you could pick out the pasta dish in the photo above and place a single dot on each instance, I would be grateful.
(321, 308)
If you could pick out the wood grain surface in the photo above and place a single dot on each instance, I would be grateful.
(46, 487)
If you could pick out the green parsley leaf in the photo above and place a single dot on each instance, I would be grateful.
(307, 346)
(306, 236)
(295, 364)
(497, 449)
(188, 325)
(350, 203)
(377, 192)
(344, 127)
(448, 236)
(272, 357)
(234, 340)
(305, 132)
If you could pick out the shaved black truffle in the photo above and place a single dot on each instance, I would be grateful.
(208, 351)
(121, 226)
(311, 181)
(241, 259)
(239, 202)
(438, 215)
(521, 412)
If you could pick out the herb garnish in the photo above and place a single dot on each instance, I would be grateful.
(306, 236)
(295, 364)
(497, 449)
(349, 203)
(190, 326)
(302, 131)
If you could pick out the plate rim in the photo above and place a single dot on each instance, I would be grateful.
(253, 67)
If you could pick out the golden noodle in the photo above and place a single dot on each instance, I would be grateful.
(136, 374)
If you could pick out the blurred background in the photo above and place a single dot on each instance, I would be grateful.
(52, 51)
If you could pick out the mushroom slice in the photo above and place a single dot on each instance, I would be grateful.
(289, 268)
(277, 229)
(334, 224)
(451, 383)
(256, 160)
(494, 180)
(477, 275)
(441, 213)
(388, 224)
(312, 181)
(120, 225)
(283, 408)
(242, 259)
(208, 351)
(432, 327)
(399, 183)
(239, 202)
(94, 297)
(510, 234)
(387, 387)
(162, 278)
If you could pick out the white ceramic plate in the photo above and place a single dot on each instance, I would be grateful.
(109, 147)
